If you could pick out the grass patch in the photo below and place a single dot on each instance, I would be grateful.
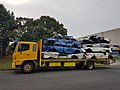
(117, 58)
(5, 62)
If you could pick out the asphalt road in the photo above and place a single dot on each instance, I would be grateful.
(102, 78)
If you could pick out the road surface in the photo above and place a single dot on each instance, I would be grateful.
(102, 78)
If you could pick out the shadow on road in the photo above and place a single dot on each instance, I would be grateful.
(42, 70)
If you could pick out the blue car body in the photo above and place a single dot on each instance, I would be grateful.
(61, 46)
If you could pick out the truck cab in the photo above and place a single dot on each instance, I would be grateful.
(24, 51)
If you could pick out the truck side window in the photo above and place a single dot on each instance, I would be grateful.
(34, 48)
(23, 47)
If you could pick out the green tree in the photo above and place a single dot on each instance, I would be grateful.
(53, 26)
(44, 27)
(26, 29)
(7, 26)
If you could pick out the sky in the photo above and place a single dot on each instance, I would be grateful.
(80, 17)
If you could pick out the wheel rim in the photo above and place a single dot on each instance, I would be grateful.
(27, 68)
(90, 66)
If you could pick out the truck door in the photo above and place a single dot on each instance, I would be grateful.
(23, 51)
(26, 51)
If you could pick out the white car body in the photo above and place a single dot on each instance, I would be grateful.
(76, 56)
(99, 49)
(98, 52)
(56, 55)
(98, 55)
(49, 55)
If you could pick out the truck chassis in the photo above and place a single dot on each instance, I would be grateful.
(30, 66)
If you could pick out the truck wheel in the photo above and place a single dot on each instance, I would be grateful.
(28, 67)
(90, 65)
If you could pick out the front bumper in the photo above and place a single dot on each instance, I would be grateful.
(13, 65)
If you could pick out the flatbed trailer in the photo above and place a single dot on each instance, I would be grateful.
(28, 57)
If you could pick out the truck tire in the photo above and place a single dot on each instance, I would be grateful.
(90, 65)
(28, 67)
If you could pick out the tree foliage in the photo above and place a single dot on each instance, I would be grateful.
(7, 25)
(45, 26)
(26, 29)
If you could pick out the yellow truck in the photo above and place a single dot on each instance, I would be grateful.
(28, 57)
